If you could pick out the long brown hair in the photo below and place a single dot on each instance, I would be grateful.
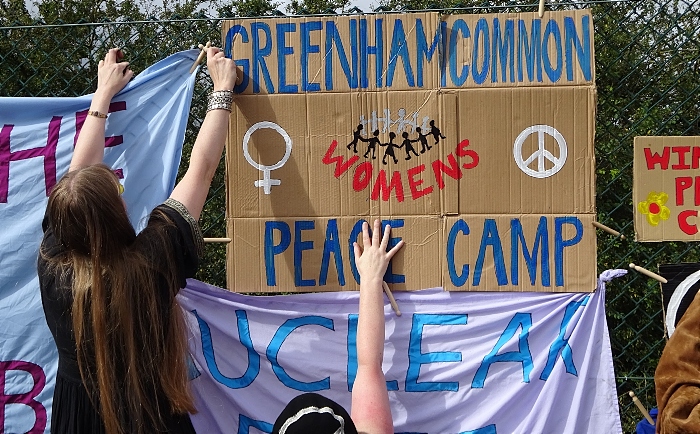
(130, 346)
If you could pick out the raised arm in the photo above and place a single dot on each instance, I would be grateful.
(370, 400)
(112, 76)
(192, 190)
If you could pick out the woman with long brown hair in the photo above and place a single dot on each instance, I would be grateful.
(109, 293)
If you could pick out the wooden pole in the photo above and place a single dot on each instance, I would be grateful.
(200, 57)
(540, 11)
(392, 300)
(217, 240)
(608, 230)
(648, 273)
(641, 408)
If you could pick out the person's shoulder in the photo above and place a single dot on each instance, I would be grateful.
(172, 220)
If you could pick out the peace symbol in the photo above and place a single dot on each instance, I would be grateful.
(542, 153)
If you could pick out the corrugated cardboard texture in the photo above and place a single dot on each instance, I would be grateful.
(666, 190)
(463, 130)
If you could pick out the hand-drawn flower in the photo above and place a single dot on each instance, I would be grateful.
(654, 207)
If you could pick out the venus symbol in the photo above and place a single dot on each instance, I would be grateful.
(266, 183)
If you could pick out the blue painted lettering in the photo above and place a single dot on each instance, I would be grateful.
(399, 49)
(283, 50)
(456, 279)
(560, 244)
(541, 241)
(481, 51)
(332, 246)
(583, 47)
(423, 52)
(561, 344)
(245, 424)
(259, 54)
(503, 50)
(275, 345)
(376, 50)
(272, 249)
(552, 29)
(416, 358)
(299, 246)
(253, 368)
(333, 38)
(308, 48)
(532, 50)
(491, 238)
(522, 321)
(458, 27)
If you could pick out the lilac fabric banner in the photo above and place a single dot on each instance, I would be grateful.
(455, 362)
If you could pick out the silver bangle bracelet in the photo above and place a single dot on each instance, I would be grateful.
(220, 100)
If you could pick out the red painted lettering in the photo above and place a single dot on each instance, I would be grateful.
(681, 151)
(362, 177)
(682, 184)
(654, 159)
(340, 166)
(414, 183)
(452, 170)
(462, 151)
(688, 228)
(696, 157)
(380, 186)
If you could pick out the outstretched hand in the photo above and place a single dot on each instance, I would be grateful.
(373, 259)
(221, 69)
(112, 73)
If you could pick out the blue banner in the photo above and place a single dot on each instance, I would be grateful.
(144, 137)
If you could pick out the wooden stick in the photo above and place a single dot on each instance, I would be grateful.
(641, 408)
(217, 240)
(392, 300)
(201, 56)
(648, 273)
(540, 11)
(608, 230)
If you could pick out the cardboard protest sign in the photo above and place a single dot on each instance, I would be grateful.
(471, 135)
(681, 289)
(666, 189)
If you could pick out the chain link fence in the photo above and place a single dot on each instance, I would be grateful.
(648, 81)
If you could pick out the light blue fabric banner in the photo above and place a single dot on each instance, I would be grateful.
(145, 133)
(455, 362)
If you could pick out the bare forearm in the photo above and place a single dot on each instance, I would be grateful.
(192, 190)
(112, 76)
(89, 149)
(370, 326)
(210, 142)
(204, 160)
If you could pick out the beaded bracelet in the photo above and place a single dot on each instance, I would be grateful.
(97, 114)
(221, 99)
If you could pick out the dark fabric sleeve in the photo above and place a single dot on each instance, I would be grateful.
(49, 248)
(49, 244)
(677, 377)
(185, 238)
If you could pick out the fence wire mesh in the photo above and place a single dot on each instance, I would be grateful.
(647, 76)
